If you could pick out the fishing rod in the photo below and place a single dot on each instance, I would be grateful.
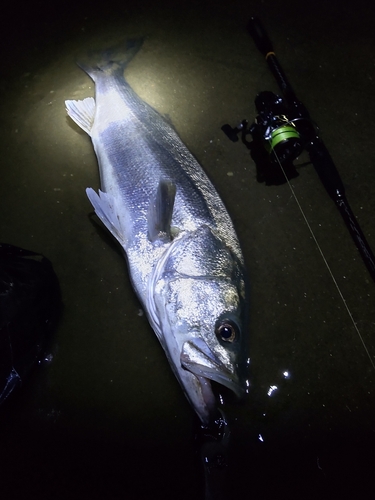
(283, 129)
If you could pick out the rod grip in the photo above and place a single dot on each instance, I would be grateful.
(326, 169)
(260, 36)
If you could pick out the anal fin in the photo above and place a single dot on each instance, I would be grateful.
(82, 112)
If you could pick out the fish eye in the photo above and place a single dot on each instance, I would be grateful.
(226, 331)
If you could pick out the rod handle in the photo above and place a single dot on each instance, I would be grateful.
(260, 36)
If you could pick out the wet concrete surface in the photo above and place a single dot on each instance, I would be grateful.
(107, 419)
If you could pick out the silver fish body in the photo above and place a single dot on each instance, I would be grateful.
(183, 254)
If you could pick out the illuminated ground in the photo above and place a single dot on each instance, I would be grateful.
(107, 420)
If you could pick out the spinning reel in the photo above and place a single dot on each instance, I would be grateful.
(281, 131)
(277, 141)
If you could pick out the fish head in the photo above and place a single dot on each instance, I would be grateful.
(200, 315)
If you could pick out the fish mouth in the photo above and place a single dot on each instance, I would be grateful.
(197, 358)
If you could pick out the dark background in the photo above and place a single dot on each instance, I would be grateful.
(106, 419)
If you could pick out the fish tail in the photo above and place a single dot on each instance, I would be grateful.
(111, 61)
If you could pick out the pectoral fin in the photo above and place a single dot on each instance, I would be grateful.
(105, 209)
(160, 212)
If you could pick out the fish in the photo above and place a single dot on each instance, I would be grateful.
(184, 258)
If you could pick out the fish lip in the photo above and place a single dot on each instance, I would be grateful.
(197, 358)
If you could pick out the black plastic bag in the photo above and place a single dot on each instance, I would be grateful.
(30, 305)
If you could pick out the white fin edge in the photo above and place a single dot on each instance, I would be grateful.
(82, 113)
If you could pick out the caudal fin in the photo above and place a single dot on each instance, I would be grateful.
(112, 60)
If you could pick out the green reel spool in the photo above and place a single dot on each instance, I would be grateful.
(283, 134)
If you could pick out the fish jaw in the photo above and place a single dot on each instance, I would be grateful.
(197, 357)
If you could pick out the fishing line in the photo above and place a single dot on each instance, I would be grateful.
(325, 261)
